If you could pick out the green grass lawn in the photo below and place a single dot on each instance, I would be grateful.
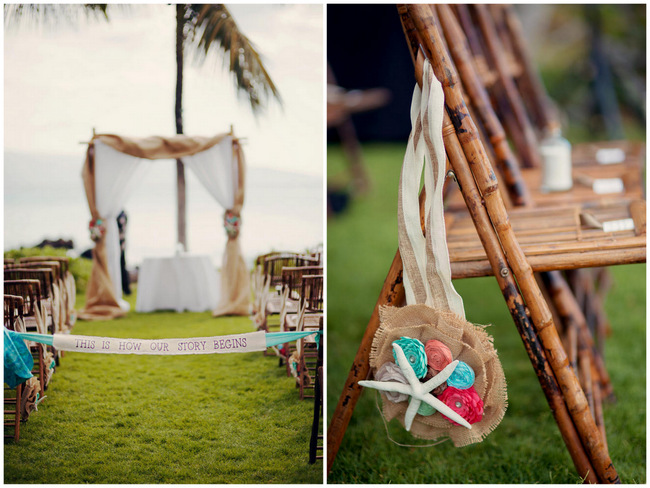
(231, 418)
(527, 446)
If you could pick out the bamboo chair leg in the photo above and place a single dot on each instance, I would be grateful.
(598, 412)
(569, 308)
(425, 23)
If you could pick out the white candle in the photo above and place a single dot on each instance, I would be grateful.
(556, 156)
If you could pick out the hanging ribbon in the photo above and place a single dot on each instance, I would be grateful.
(427, 272)
(249, 342)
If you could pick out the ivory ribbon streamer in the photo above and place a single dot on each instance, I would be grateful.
(249, 342)
(427, 272)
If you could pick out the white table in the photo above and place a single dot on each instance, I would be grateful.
(182, 282)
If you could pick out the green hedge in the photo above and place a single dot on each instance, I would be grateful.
(79, 267)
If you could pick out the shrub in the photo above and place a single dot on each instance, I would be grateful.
(79, 267)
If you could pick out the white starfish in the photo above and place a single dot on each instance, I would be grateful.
(419, 392)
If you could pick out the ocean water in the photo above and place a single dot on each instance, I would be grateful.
(44, 198)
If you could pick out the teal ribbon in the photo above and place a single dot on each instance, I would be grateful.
(46, 339)
(275, 338)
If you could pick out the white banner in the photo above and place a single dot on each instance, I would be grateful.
(253, 341)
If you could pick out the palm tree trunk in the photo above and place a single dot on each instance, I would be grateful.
(180, 168)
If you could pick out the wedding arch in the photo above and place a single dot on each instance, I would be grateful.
(113, 166)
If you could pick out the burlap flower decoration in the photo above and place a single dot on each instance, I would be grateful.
(468, 343)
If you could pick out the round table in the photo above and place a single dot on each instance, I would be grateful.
(182, 282)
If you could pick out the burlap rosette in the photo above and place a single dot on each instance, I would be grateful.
(468, 343)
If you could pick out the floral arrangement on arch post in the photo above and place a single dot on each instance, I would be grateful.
(232, 223)
(97, 229)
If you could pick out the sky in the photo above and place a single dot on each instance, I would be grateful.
(63, 80)
(119, 76)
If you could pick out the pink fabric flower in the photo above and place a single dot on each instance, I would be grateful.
(438, 355)
(465, 403)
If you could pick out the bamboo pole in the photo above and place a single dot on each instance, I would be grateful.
(530, 82)
(425, 22)
(478, 268)
(570, 310)
(506, 162)
(520, 128)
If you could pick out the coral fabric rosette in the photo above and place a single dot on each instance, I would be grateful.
(438, 354)
(479, 387)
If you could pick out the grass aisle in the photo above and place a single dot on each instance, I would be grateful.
(231, 418)
(527, 446)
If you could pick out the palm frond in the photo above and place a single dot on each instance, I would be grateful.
(41, 14)
(214, 30)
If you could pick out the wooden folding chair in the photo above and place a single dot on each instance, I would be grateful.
(525, 191)
(29, 291)
(13, 306)
(49, 305)
(272, 270)
(310, 313)
(291, 296)
(507, 261)
(316, 440)
(67, 284)
(59, 294)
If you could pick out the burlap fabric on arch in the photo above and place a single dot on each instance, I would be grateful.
(467, 342)
(101, 302)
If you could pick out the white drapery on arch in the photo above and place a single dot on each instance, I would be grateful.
(114, 164)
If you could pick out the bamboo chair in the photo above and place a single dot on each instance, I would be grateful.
(469, 62)
(29, 291)
(542, 114)
(13, 306)
(554, 282)
(508, 263)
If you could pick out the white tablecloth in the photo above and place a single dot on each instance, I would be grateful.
(177, 283)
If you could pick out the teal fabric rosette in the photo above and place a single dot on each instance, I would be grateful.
(414, 352)
(463, 376)
(425, 409)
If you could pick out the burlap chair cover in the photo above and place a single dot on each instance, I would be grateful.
(467, 342)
